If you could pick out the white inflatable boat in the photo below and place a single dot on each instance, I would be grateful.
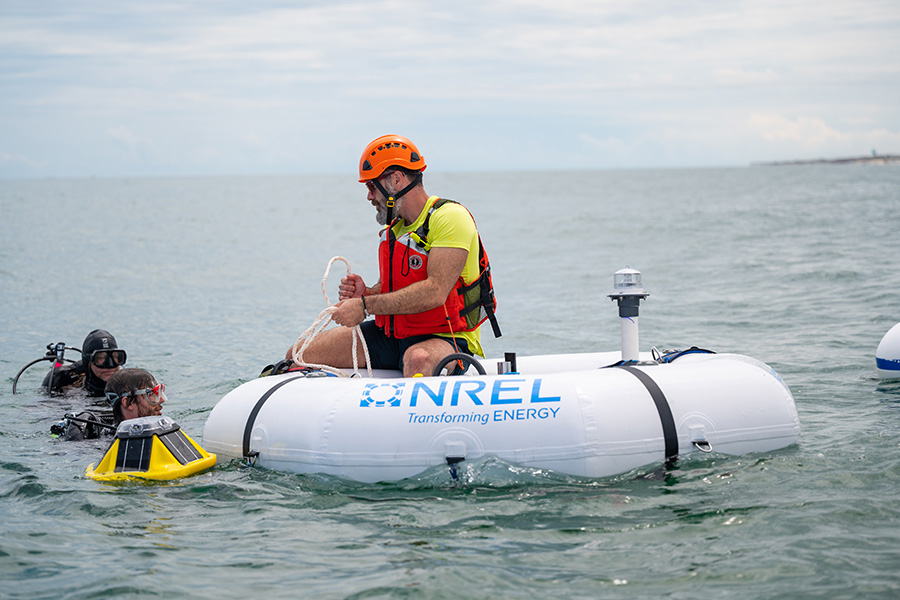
(561, 412)
(590, 415)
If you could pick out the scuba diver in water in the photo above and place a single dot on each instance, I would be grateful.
(100, 358)
(131, 393)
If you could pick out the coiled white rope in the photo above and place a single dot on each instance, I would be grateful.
(319, 325)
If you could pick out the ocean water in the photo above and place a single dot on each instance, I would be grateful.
(205, 280)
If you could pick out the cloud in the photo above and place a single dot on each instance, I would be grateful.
(806, 134)
(741, 76)
(192, 85)
(125, 136)
(804, 130)
(11, 161)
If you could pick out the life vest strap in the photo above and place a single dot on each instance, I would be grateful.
(485, 299)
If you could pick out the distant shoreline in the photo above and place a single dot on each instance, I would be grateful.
(887, 159)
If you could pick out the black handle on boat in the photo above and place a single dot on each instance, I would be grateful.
(466, 358)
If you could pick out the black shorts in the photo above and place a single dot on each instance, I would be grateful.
(387, 352)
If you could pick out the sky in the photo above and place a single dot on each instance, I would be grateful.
(112, 88)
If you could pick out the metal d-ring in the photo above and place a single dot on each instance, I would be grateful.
(702, 446)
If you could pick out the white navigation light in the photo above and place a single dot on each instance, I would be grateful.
(627, 281)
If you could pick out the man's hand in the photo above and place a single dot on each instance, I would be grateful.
(352, 286)
(349, 313)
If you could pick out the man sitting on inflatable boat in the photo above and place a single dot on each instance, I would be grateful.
(434, 289)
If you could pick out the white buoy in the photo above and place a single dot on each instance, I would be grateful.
(887, 356)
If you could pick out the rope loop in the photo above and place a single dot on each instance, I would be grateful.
(320, 323)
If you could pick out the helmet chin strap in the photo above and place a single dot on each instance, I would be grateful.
(392, 199)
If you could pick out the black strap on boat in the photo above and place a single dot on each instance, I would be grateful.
(251, 420)
(670, 434)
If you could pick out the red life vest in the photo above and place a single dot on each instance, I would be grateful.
(403, 261)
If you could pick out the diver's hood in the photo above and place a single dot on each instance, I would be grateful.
(98, 339)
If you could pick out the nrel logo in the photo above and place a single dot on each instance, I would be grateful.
(385, 394)
(458, 392)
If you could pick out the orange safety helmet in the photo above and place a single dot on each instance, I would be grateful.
(389, 151)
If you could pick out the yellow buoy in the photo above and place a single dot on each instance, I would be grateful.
(151, 448)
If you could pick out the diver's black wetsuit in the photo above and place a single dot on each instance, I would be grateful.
(74, 430)
(80, 377)
(79, 374)
(71, 377)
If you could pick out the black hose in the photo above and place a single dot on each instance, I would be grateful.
(53, 352)
(34, 362)
(667, 358)
(89, 422)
